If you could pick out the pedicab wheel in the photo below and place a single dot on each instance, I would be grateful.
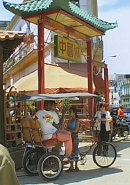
(104, 154)
(50, 166)
(30, 161)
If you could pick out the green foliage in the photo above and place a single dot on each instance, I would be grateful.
(100, 94)
(30, 105)
(65, 104)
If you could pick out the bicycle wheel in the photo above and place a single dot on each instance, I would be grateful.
(83, 159)
(104, 154)
(30, 160)
(50, 166)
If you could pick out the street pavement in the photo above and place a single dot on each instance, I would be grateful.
(90, 173)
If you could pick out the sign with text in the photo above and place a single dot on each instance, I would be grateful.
(67, 49)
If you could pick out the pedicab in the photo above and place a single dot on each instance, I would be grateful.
(40, 158)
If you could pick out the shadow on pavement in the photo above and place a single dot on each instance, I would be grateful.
(121, 145)
(72, 177)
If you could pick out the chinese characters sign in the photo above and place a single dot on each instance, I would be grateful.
(67, 49)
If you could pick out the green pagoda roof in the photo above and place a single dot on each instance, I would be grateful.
(33, 7)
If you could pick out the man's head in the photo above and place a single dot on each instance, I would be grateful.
(121, 106)
(49, 105)
(102, 106)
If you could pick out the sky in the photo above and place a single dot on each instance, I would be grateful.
(116, 41)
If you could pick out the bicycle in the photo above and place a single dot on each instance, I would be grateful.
(104, 153)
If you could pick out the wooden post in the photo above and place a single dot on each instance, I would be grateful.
(41, 73)
(90, 76)
(2, 124)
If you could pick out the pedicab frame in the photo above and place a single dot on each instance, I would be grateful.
(50, 164)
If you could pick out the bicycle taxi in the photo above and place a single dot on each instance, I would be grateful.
(39, 157)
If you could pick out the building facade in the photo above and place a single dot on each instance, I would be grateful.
(119, 90)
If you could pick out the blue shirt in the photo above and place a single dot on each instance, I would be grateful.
(72, 125)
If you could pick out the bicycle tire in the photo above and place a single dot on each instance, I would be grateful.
(104, 154)
(30, 161)
(50, 166)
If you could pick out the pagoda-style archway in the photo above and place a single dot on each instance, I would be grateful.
(65, 18)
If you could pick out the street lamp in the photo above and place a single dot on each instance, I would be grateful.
(108, 57)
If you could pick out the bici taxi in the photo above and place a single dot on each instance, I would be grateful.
(39, 157)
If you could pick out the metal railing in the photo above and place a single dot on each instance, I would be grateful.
(21, 52)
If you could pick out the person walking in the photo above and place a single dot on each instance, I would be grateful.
(103, 121)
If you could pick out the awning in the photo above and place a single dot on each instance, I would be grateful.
(60, 96)
(57, 80)
(9, 41)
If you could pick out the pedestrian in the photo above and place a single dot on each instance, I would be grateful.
(73, 127)
(103, 121)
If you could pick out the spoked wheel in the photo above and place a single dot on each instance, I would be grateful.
(104, 154)
(83, 159)
(30, 160)
(50, 166)
(114, 133)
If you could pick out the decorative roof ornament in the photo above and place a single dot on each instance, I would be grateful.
(35, 7)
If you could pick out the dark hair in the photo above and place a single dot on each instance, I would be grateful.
(49, 102)
(102, 104)
(74, 110)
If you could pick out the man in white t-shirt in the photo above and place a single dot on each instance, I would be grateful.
(47, 118)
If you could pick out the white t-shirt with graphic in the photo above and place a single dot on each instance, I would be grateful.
(46, 118)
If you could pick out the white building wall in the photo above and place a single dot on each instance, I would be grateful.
(87, 5)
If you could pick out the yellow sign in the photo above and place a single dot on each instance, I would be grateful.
(67, 49)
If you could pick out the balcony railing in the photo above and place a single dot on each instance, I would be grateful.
(18, 55)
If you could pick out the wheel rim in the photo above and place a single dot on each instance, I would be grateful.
(31, 163)
(106, 156)
(51, 167)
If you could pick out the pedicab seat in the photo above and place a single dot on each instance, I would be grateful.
(32, 133)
